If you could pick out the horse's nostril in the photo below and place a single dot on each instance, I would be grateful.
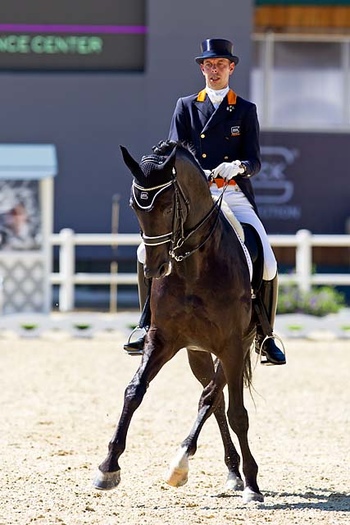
(158, 271)
(146, 272)
(163, 269)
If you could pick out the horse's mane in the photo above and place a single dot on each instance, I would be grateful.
(164, 148)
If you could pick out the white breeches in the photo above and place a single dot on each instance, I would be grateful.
(244, 211)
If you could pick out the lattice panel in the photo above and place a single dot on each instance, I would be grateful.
(23, 285)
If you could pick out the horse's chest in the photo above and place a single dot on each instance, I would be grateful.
(191, 303)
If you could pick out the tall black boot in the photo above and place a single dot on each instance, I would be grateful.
(265, 306)
(144, 289)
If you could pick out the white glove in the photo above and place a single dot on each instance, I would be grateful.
(228, 170)
(208, 173)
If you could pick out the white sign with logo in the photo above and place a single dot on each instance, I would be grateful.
(273, 190)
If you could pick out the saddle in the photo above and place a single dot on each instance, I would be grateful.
(251, 241)
(254, 246)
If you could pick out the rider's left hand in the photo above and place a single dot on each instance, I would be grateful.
(229, 170)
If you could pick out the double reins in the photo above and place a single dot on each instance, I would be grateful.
(177, 236)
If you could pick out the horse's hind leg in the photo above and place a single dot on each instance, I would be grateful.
(108, 475)
(212, 400)
(202, 366)
(238, 419)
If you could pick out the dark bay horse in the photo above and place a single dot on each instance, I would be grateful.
(201, 300)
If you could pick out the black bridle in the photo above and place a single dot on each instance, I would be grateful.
(177, 236)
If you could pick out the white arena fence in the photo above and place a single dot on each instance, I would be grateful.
(67, 278)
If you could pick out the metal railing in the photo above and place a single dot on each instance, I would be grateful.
(67, 278)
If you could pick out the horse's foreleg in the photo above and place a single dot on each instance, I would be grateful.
(202, 366)
(238, 419)
(108, 474)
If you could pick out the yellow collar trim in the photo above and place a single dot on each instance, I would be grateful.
(231, 96)
(201, 96)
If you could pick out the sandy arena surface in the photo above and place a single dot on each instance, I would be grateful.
(60, 400)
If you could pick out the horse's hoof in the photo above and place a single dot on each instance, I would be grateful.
(249, 495)
(106, 480)
(234, 482)
(177, 477)
(178, 472)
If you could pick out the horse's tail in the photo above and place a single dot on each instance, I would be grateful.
(247, 370)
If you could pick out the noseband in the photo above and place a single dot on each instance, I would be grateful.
(144, 193)
(177, 236)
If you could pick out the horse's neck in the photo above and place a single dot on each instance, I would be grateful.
(203, 221)
(197, 192)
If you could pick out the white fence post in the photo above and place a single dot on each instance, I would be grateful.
(67, 270)
(303, 259)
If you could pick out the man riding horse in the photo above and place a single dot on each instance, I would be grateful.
(223, 130)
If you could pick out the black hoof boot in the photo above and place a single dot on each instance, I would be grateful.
(136, 347)
(269, 351)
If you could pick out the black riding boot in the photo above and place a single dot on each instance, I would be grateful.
(144, 287)
(265, 340)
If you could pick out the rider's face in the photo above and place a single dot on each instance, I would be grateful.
(217, 72)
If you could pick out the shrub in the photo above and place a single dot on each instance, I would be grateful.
(318, 301)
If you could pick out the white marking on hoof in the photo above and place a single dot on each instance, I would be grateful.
(106, 480)
(178, 471)
(249, 495)
(234, 482)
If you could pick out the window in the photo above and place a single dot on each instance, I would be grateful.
(302, 81)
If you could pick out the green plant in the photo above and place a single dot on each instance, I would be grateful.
(288, 299)
(295, 327)
(27, 326)
(318, 301)
(81, 326)
(323, 301)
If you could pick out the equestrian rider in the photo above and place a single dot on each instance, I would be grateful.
(223, 129)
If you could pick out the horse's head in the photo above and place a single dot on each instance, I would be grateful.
(171, 198)
(154, 202)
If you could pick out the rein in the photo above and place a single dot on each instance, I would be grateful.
(184, 237)
(178, 237)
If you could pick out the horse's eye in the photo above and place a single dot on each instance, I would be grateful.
(168, 211)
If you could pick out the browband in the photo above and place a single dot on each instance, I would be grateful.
(145, 197)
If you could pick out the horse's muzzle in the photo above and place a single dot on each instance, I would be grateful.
(157, 272)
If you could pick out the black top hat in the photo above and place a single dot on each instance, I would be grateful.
(217, 48)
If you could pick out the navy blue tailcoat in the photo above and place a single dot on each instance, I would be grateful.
(231, 132)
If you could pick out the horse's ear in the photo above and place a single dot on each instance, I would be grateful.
(130, 162)
(170, 161)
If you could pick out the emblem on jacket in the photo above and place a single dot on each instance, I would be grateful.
(235, 131)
